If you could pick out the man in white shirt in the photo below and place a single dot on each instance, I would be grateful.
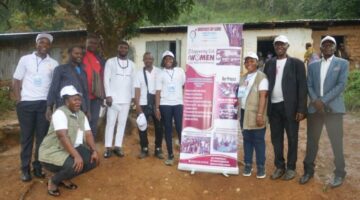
(286, 106)
(31, 83)
(326, 83)
(144, 84)
(118, 82)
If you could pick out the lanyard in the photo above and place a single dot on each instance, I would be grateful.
(170, 75)
(38, 64)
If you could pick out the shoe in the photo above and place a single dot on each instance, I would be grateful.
(119, 152)
(107, 153)
(289, 174)
(38, 173)
(260, 172)
(336, 182)
(278, 173)
(26, 176)
(247, 170)
(159, 154)
(144, 153)
(305, 178)
(169, 161)
(70, 185)
(55, 192)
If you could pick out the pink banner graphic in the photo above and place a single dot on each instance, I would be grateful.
(209, 140)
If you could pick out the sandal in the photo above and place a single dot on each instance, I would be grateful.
(55, 192)
(70, 186)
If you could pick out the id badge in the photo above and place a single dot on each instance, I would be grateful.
(37, 81)
(241, 91)
(171, 88)
(79, 137)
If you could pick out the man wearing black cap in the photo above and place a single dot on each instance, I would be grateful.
(326, 83)
(31, 84)
(286, 106)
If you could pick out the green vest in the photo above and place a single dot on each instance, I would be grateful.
(51, 150)
(252, 103)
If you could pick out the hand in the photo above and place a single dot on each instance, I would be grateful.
(17, 100)
(78, 163)
(138, 110)
(109, 101)
(260, 120)
(95, 158)
(299, 117)
(319, 105)
(48, 113)
(157, 114)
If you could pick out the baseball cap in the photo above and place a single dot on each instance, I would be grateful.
(141, 122)
(328, 38)
(69, 90)
(281, 38)
(44, 35)
(251, 54)
(167, 53)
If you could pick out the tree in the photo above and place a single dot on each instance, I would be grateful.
(112, 20)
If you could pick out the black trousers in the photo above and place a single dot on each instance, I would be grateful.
(95, 105)
(66, 172)
(334, 126)
(278, 123)
(31, 116)
(144, 142)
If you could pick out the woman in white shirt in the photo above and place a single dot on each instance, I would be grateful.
(169, 99)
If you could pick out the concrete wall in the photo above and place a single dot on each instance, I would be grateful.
(298, 37)
(139, 45)
(351, 41)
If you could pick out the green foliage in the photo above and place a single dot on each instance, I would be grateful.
(352, 91)
(6, 103)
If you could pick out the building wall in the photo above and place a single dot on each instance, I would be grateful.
(298, 37)
(139, 45)
(351, 40)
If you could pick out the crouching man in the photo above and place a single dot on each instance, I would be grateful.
(68, 149)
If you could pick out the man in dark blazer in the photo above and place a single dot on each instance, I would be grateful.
(326, 83)
(286, 105)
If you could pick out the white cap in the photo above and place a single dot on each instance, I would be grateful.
(281, 38)
(167, 53)
(251, 54)
(141, 122)
(328, 38)
(44, 35)
(69, 90)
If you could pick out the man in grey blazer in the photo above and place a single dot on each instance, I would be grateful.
(326, 83)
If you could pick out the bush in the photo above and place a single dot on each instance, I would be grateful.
(6, 103)
(352, 92)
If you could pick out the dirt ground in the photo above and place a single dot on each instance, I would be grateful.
(149, 179)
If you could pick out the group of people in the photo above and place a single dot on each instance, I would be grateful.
(59, 105)
(279, 95)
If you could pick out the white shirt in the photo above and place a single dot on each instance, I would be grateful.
(60, 122)
(249, 82)
(277, 93)
(118, 79)
(323, 71)
(36, 75)
(139, 82)
(170, 83)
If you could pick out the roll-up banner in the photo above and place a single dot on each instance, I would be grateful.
(210, 127)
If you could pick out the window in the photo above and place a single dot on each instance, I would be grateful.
(157, 48)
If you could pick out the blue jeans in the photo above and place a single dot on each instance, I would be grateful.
(253, 139)
(168, 113)
(95, 105)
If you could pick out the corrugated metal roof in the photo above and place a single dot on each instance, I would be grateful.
(300, 23)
